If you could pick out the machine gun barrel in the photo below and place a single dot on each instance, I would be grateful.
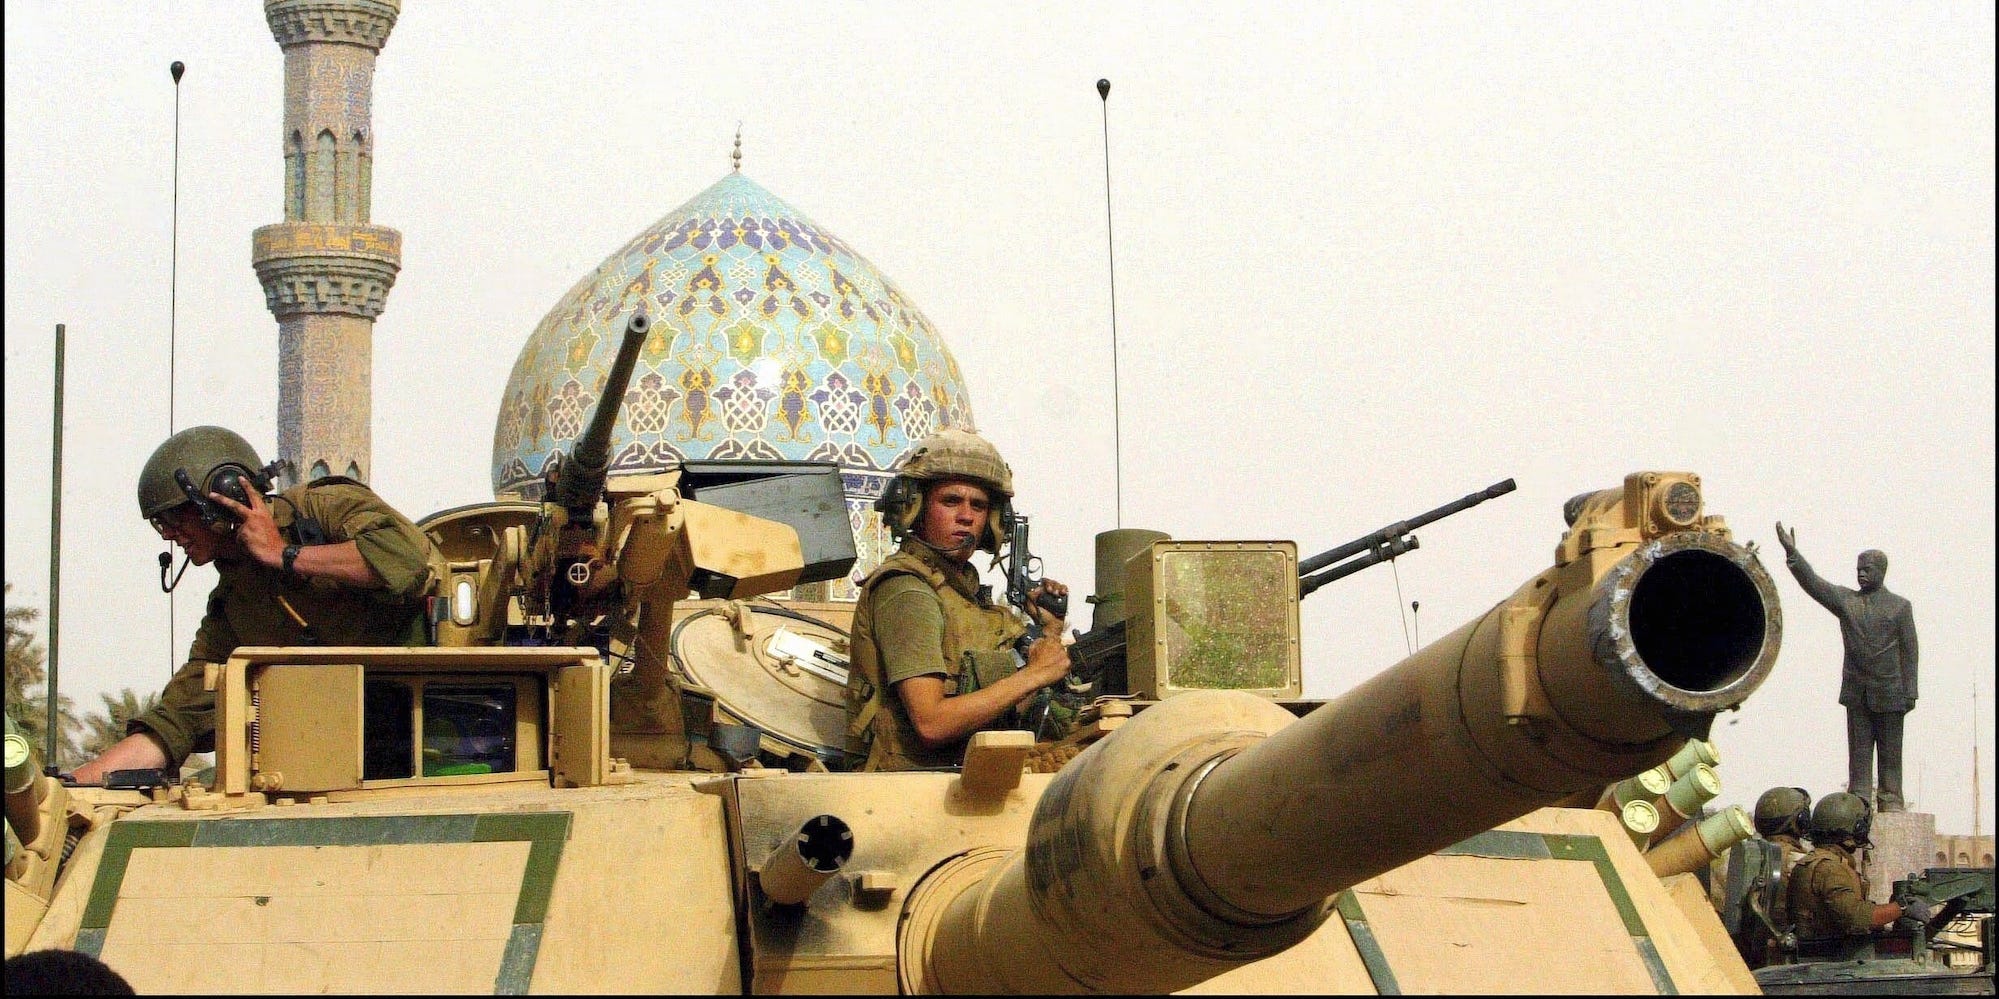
(1393, 532)
(581, 481)
(1214, 829)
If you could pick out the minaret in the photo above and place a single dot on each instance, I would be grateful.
(326, 272)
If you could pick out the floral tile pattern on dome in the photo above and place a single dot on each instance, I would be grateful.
(772, 340)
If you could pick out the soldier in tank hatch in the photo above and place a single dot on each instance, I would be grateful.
(934, 658)
(323, 563)
(1827, 894)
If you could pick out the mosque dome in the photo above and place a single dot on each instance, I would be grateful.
(772, 339)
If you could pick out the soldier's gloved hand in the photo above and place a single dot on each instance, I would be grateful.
(1919, 910)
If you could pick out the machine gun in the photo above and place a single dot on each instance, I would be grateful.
(1950, 891)
(1100, 654)
(602, 560)
(1395, 539)
(566, 561)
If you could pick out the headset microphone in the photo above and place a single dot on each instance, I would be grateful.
(166, 562)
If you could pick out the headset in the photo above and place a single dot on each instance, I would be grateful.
(230, 479)
(900, 503)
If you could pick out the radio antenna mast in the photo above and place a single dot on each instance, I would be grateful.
(1110, 243)
(51, 765)
(173, 316)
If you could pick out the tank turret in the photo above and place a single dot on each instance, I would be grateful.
(1214, 829)
(523, 821)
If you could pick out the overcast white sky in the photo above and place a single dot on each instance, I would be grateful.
(1368, 260)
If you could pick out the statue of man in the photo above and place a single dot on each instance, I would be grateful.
(1878, 681)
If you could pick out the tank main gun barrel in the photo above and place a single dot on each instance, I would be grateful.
(580, 483)
(1213, 829)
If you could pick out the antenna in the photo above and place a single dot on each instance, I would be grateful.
(173, 265)
(1416, 622)
(52, 767)
(1407, 642)
(173, 316)
(1977, 819)
(1110, 244)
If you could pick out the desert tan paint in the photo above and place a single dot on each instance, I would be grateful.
(651, 887)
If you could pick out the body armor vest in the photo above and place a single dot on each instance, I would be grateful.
(878, 727)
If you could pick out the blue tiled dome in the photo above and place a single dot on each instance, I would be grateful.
(771, 339)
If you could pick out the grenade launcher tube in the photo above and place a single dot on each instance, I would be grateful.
(1213, 829)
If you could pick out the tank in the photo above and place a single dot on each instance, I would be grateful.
(612, 772)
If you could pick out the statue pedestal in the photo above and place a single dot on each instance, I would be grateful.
(1905, 843)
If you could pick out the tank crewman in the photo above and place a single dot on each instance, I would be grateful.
(1783, 818)
(933, 659)
(323, 563)
(1828, 896)
(1878, 676)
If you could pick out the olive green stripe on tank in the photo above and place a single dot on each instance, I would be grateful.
(90, 941)
(1512, 845)
(1371, 954)
(359, 830)
(1500, 843)
(118, 846)
(1661, 979)
(1590, 848)
(545, 832)
(517, 964)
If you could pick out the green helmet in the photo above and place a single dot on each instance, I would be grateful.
(1783, 811)
(951, 453)
(1841, 816)
(201, 452)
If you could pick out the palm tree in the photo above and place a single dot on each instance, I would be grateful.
(102, 731)
(27, 695)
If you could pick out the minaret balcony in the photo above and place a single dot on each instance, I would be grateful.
(309, 268)
(349, 22)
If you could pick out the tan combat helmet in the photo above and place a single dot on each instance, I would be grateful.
(951, 453)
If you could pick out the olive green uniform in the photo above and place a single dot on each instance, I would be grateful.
(249, 605)
(920, 614)
(1790, 850)
(1828, 897)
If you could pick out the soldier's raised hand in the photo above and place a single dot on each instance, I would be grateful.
(1789, 539)
(258, 533)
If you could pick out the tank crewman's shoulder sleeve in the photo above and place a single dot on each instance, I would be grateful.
(393, 546)
(909, 629)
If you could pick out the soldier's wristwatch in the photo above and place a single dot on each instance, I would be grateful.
(291, 555)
